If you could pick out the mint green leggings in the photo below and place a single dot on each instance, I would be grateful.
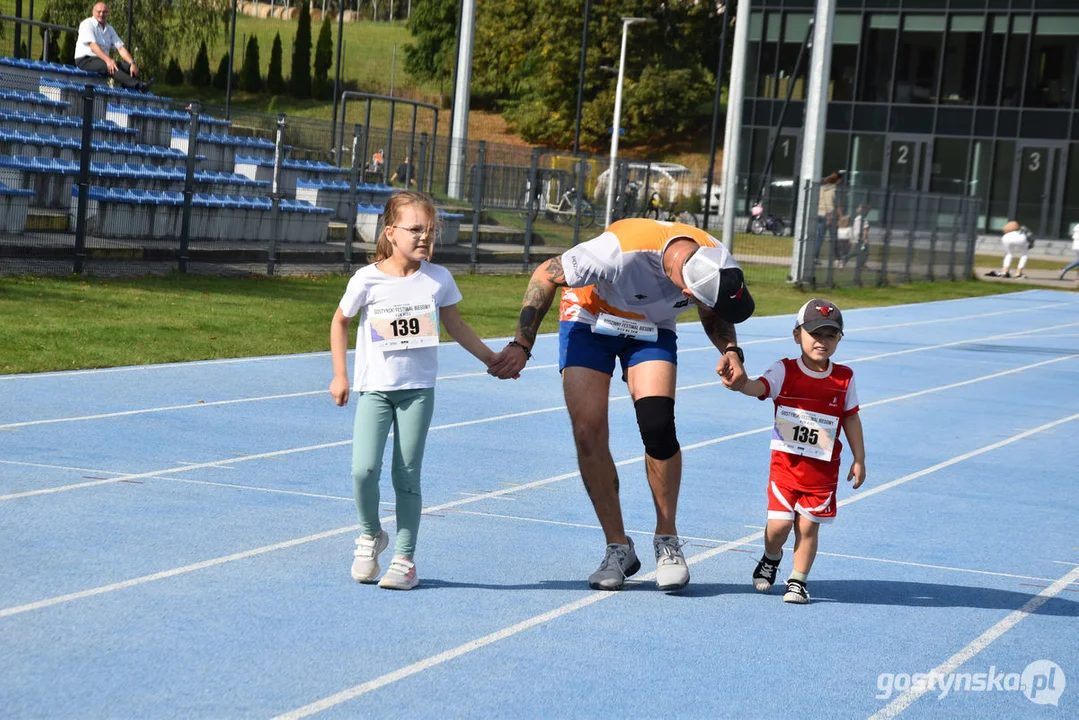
(409, 413)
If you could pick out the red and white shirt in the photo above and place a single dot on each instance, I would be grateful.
(825, 396)
(621, 273)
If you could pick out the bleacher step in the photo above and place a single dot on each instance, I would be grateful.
(43, 220)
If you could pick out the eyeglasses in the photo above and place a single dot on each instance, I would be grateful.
(416, 232)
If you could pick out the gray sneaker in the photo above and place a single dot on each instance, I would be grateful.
(618, 564)
(365, 560)
(672, 572)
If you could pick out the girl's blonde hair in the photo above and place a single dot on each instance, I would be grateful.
(391, 214)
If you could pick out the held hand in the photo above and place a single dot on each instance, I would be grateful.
(508, 363)
(730, 371)
(339, 391)
(495, 360)
(857, 473)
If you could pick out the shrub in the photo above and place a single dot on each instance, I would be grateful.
(200, 71)
(275, 81)
(174, 75)
(300, 80)
(250, 78)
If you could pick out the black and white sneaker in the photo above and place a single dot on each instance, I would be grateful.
(765, 574)
(796, 592)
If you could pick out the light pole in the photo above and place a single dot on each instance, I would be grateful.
(626, 22)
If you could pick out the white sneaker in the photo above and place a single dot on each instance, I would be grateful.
(365, 560)
(400, 575)
(672, 572)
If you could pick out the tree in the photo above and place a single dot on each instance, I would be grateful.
(323, 88)
(174, 75)
(275, 81)
(526, 64)
(251, 79)
(200, 71)
(67, 49)
(221, 78)
(163, 28)
(300, 80)
(434, 26)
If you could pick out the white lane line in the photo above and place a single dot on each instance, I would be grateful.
(470, 646)
(447, 426)
(907, 698)
(716, 541)
(308, 393)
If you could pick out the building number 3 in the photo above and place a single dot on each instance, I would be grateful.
(805, 435)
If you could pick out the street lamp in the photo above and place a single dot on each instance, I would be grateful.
(626, 22)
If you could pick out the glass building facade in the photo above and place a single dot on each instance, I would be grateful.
(972, 97)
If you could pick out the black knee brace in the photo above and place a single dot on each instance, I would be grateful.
(655, 418)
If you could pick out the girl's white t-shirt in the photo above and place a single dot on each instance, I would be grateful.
(395, 369)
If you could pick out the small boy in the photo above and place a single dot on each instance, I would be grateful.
(814, 398)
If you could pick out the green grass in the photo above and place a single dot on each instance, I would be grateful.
(72, 323)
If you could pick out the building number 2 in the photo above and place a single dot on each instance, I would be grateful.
(805, 435)
(405, 326)
(902, 152)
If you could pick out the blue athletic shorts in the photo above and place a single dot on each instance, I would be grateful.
(578, 346)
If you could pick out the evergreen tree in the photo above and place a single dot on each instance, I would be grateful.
(174, 75)
(323, 86)
(300, 81)
(275, 81)
(67, 49)
(250, 79)
(221, 79)
(200, 72)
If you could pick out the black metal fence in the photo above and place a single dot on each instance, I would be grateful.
(105, 181)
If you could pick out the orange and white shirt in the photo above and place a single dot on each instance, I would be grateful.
(621, 273)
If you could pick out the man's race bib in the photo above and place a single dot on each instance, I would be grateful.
(804, 432)
(403, 326)
(607, 324)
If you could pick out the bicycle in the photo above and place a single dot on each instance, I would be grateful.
(761, 222)
(564, 211)
(669, 213)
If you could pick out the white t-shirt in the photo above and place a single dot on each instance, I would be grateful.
(373, 291)
(91, 32)
(1075, 238)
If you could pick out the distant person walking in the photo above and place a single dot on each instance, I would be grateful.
(1075, 249)
(828, 213)
(93, 51)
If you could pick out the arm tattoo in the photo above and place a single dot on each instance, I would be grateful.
(538, 298)
(720, 332)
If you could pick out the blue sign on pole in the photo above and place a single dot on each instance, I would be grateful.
(621, 131)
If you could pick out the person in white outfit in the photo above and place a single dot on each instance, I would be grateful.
(1075, 249)
(1016, 241)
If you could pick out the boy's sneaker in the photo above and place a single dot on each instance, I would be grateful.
(618, 564)
(796, 592)
(400, 575)
(672, 572)
(365, 560)
(765, 574)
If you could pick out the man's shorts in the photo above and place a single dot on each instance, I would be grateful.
(817, 504)
(578, 346)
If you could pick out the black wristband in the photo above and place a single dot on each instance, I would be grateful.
(514, 343)
(737, 351)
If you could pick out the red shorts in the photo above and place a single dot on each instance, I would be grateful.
(817, 504)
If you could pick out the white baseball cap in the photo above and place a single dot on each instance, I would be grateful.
(721, 288)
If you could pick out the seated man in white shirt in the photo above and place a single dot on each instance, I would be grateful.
(93, 51)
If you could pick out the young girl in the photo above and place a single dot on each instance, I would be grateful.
(402, 296)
